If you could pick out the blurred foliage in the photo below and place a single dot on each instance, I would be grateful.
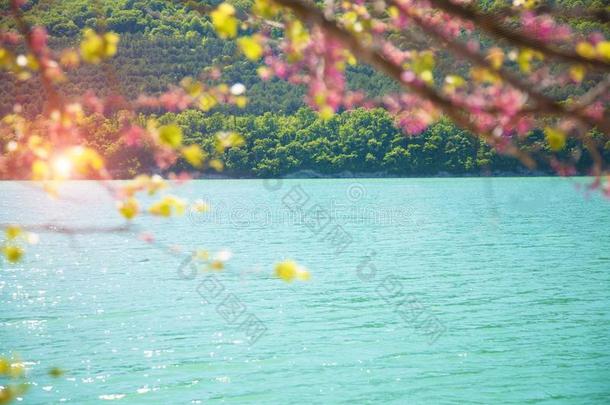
(12, 380)
(162, 42)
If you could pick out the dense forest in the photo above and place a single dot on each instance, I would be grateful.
(358, 142)
(163, 42)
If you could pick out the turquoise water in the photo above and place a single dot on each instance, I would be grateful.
(439, 291)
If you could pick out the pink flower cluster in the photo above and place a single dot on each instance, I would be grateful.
(496, 109)
(413, 114)
(544, 27)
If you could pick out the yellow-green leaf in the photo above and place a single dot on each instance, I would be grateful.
(168, 205)
(326, 113)
(12, 253)
(171, 135)
(216, 164)
(427, 76)
(577, 73)
(94, 47)
(264, 8)
(393, 12)
(161, 209)
(56, 372)
(585, 49)
(603, 49)
(111, 40)
(290, 270)
(12, 232)
(129, 208)
(241, 101)
(525, 58)
(299, 38)
(251, 47)
(216, 265)
(286, 270)
(556, 138)
(224, 21)
(483, 75)
(423, 61)
(5, 366)
(207, 102)
(193, 154)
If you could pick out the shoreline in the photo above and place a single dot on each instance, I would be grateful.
(319, 176)
(307, 175)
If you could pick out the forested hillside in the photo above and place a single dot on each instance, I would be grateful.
(163, 41)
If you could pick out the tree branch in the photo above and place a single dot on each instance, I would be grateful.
(376, 58)
(544, 103)
(490, 25)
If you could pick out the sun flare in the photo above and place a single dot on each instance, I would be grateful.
(62, 166)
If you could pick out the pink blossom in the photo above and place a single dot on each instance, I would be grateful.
(595, 110)
(524, 126)
(164, 158)
(408, 76)
(10, 37)
(544, 27)
(133, 135)
(147, 101)
(175, 100)
(413, 123)
(280, 70)
(596, 37)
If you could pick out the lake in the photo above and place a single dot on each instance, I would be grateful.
(470, 290)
